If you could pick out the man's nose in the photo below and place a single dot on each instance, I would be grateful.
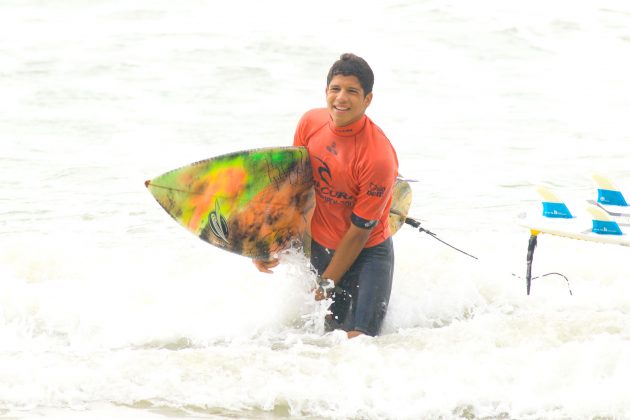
(342, 95)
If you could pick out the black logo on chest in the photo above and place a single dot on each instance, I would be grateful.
(332, 148)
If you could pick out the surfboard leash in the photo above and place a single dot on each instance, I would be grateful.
(530, 255)
(533, 242)
(416, 224)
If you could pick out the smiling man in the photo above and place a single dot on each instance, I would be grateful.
(354, 168)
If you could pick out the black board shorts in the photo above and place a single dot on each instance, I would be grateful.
(361, 298)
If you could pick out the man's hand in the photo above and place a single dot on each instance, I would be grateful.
(324, 288)
(265, 266)
(320, 294)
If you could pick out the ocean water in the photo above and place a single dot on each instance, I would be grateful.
(109, 309)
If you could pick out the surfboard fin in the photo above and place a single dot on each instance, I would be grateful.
(608, 193)
(602, 223)
(553, 206)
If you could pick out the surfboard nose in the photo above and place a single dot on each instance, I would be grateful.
(147, 183)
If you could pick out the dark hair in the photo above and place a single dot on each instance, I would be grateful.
(353, 65)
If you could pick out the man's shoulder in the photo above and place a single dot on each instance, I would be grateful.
(374, 130)
(377, 150)
(377, 138)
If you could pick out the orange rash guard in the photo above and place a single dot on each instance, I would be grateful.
(354, 169)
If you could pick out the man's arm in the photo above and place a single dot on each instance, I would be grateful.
(347, 252)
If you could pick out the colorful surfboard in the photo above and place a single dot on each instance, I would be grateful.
(254, 203)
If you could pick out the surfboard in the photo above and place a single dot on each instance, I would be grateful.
(254, 203)
(604, 220)
(587, 222)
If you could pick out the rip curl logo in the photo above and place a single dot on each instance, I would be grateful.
(332, 148)
(218, 223)
(375, 190)
(324, 172)
(326, 190)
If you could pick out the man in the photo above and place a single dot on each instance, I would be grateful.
(354, 169)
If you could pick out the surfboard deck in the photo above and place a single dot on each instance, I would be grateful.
(254, 203)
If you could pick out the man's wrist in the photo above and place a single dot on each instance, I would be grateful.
(326, 285)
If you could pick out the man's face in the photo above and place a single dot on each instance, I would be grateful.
(346, 100)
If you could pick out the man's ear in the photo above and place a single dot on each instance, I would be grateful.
(368, 99)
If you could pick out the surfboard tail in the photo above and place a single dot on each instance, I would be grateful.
(608, 193)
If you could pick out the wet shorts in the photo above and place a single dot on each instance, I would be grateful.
(361, 304)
